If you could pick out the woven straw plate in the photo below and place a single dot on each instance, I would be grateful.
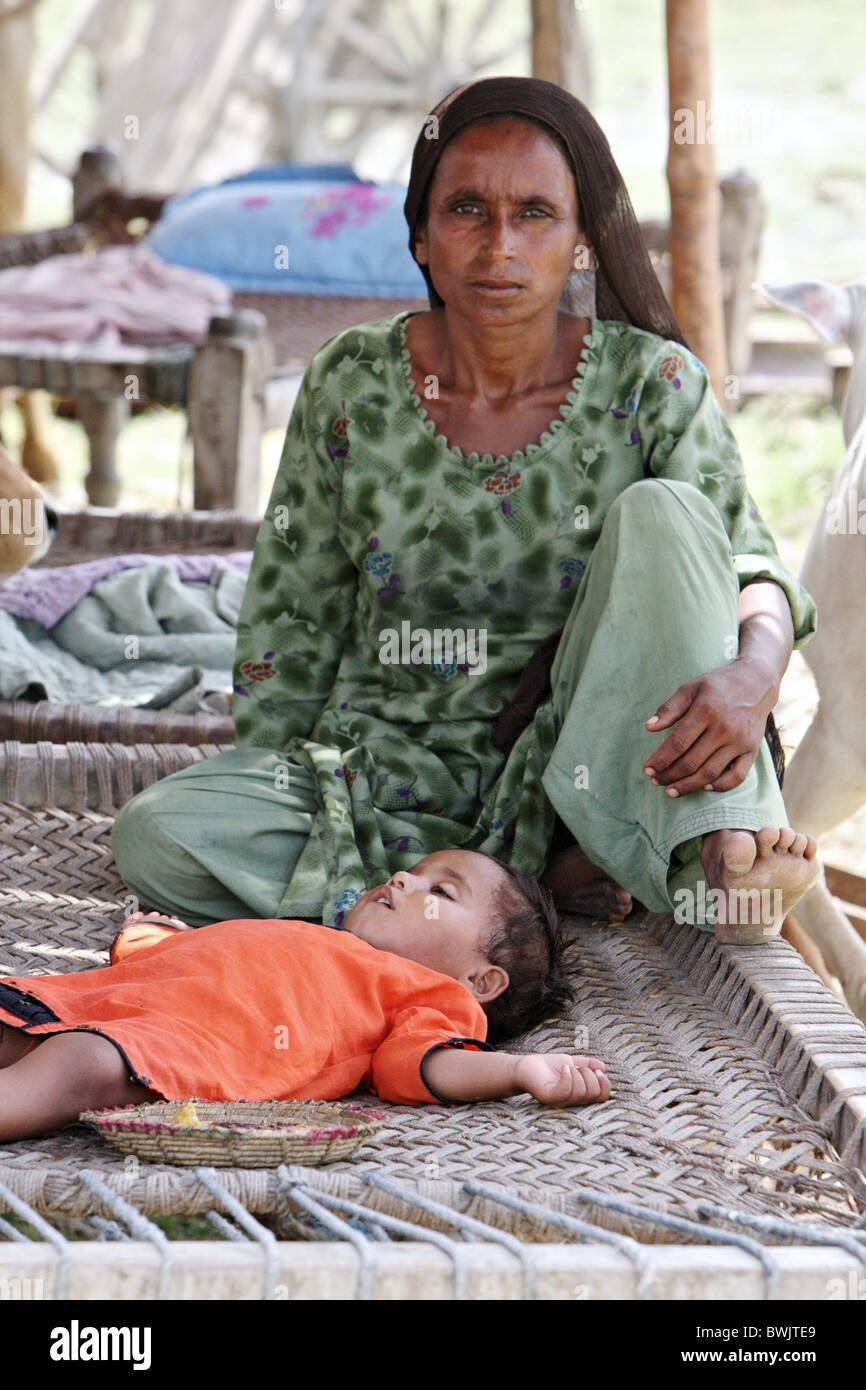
(237, 1134)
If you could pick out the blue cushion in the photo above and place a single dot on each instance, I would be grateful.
(277, 173)
(294, 235)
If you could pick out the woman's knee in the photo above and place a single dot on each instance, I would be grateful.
(663, 495)
(133, 835)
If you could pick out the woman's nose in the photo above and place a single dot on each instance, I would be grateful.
(500, 235)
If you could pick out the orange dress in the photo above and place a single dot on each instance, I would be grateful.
(259, 1010)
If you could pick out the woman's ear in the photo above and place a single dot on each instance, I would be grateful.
(421, 243)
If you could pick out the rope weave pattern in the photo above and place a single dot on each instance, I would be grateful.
(718, 1058)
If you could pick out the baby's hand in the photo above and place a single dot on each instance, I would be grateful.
(158, 918)
(557, 1078)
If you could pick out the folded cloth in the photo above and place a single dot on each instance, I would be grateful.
(141, 637)
(47, 595)
(120, 293)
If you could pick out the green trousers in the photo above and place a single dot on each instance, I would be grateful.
(657, 606)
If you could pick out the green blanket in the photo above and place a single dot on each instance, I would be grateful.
(141, 637)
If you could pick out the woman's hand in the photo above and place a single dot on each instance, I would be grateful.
(722, 717)
(556, 1078)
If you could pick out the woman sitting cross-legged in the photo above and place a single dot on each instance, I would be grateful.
(456, 485)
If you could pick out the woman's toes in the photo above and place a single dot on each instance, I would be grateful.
(786, 839)
(767, 839)
(798, 844)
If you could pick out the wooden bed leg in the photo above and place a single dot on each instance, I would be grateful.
(799, 938)
(103, 418)
(225, 405)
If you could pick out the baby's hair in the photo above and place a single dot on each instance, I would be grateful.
(527, 941)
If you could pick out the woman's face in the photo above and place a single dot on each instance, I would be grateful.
(502, 222)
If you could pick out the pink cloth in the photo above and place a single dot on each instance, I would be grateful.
(119, 294)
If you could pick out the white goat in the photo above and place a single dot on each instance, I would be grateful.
(825, 782)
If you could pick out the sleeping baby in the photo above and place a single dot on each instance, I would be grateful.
(404, 999)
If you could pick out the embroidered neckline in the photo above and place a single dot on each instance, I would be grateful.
(593, 339)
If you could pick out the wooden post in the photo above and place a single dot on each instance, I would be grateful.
(559, 47)
(226, 403)
(103, 416)
(741, 225)
(696, 296)
(98, 170)
(17, 51)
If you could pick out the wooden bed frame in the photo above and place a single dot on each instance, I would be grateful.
(223, 382)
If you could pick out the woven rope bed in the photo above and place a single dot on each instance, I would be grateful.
(298, 324)
(736, 1076)
(92, 534)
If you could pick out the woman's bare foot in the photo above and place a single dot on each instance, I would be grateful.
(581, 887)
(761, 875)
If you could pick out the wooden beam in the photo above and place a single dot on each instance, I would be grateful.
(52, 67)
(225, 406)
(559, 47)
(849, 891)
(696, 296)
(159, 374)
(843, 884)
(328, 1270)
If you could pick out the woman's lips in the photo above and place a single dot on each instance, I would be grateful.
(498, 287)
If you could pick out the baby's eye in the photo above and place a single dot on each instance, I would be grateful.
(437, 887)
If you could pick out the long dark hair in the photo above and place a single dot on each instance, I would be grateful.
(627, 287)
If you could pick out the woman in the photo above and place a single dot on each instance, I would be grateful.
(454, 486)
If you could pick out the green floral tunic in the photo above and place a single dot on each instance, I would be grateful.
(379, 535)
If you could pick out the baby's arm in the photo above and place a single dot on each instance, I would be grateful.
(555, 1078)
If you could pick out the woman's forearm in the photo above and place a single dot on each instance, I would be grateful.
(766, 633)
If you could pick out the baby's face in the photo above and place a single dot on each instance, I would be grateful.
(438, 914)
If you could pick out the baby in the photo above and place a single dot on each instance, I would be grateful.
(402, 1000)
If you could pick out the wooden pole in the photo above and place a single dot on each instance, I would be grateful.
(559, 47)
(696, 294)
(225, 406)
